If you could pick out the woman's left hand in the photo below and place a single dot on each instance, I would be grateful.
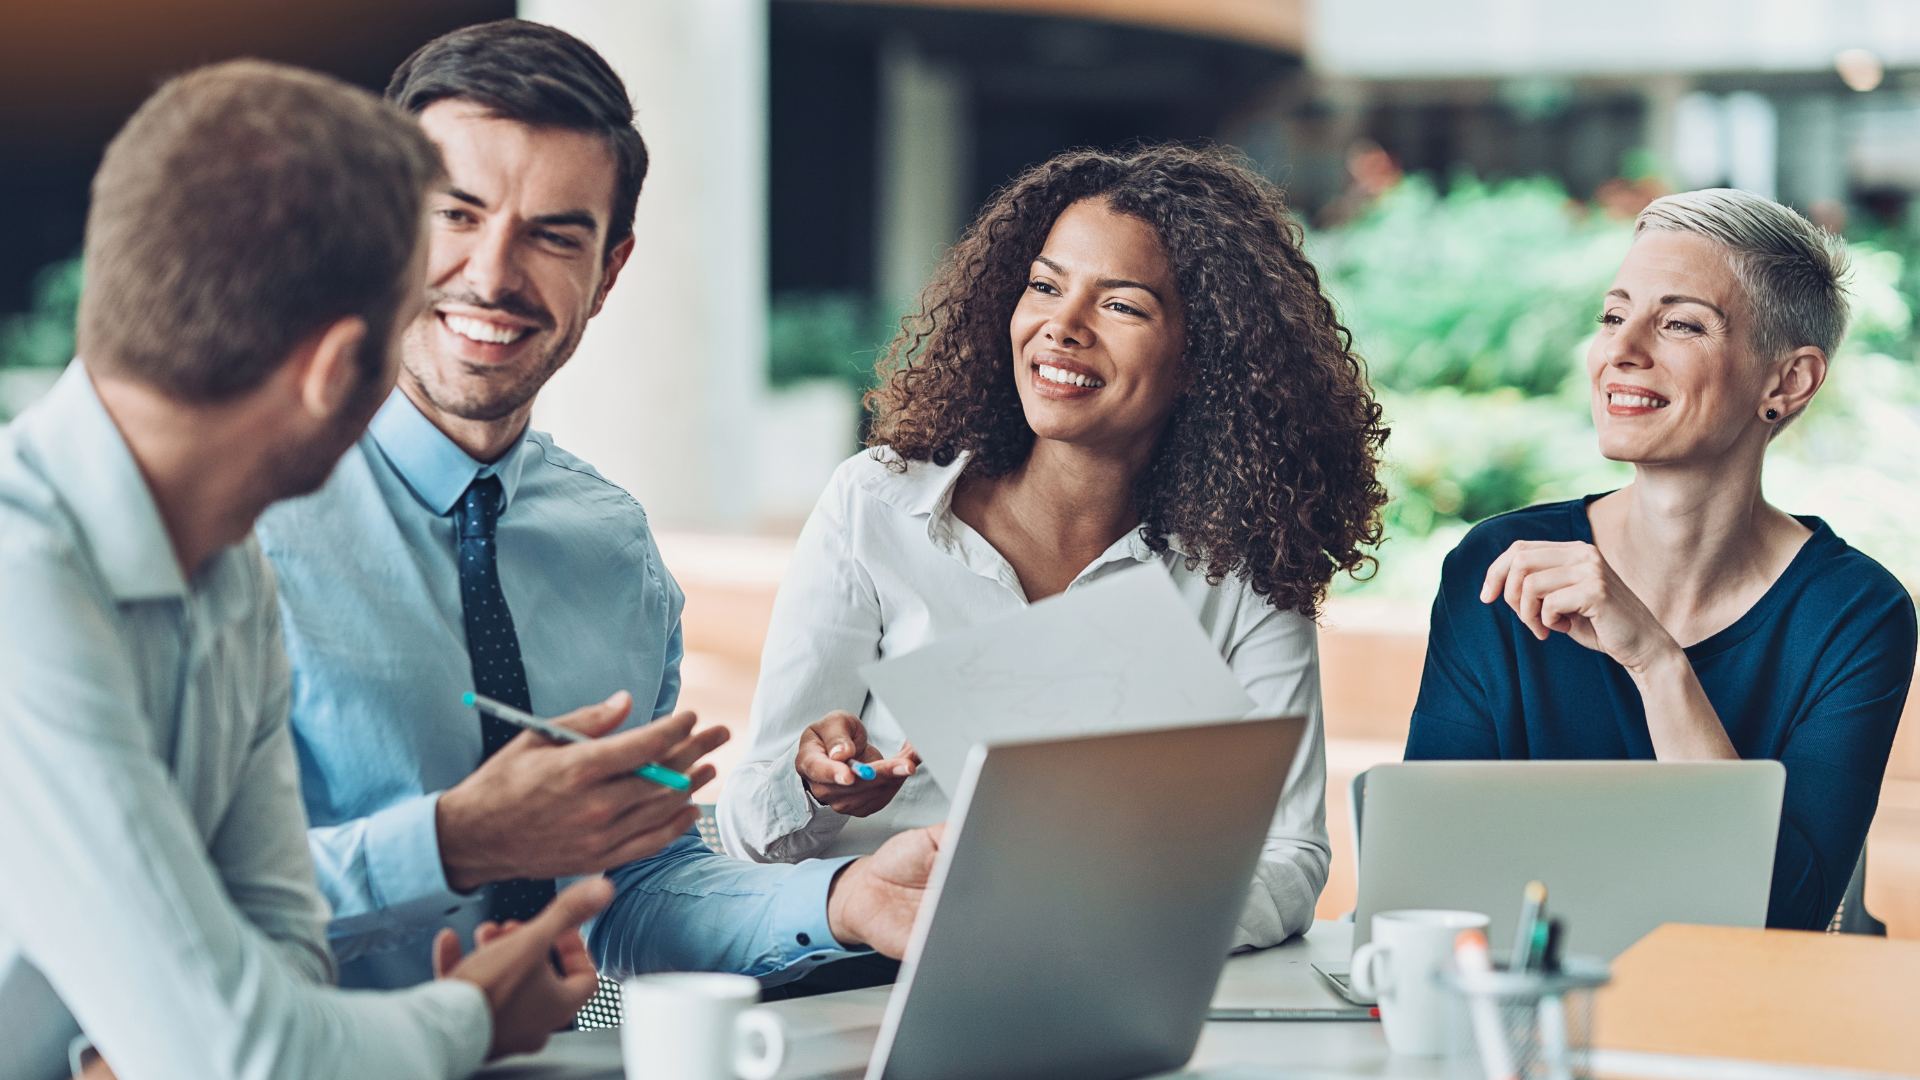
(1570, 588)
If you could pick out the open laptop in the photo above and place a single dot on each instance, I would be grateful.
(1622, 846)
(1083, 904)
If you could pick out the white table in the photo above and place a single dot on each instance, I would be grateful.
(829, 1035)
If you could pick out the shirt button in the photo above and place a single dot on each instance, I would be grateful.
(803, 939)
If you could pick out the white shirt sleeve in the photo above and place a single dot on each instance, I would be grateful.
(113, 896)
(1278, 663)
(826, 623)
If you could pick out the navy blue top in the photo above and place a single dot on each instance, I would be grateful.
(1814, 676)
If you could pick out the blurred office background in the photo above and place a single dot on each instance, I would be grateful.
(1467, 172)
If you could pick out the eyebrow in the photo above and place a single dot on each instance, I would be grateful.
(1107, 283)
(1675, 298)
(582, 218)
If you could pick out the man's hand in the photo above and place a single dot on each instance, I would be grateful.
(874, 900)
(514, 965)
(824, 763)
(539, 809)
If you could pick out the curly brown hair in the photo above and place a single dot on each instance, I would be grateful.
(1266, 467)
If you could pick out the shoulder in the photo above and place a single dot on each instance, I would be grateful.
(38, 535)
(883, 476)
(560, 473)
(59, 610)
(1552, 522)
(1850, 581)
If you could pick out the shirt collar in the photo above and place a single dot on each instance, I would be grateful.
(438, 471)
(86, 460)
(927, 489)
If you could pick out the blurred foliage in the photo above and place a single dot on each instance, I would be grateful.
(43, 336)
(1481, 289)
(824, 335)
(1473, 311)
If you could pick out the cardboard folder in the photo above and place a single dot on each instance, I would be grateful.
(1692, 994)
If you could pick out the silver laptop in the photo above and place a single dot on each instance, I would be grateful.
(1083, 904)
(1622, 846)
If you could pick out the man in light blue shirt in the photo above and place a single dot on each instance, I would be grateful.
(455, 549)
(252, 245)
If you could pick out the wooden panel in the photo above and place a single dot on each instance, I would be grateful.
(1273, 24)
(1784, 996)
(1369, 681)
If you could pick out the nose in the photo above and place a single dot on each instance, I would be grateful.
(1626, 347)
(1068, 325)
(491, 269)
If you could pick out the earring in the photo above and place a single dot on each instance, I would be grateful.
(1773, 414)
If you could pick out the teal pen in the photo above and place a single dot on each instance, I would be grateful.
(659, 774)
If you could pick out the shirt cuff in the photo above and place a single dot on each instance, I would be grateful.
(801, 932)
(404, 874)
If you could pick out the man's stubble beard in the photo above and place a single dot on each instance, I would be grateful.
(302, 469)
(491, 402)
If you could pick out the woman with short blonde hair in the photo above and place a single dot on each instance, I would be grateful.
(1683, 617)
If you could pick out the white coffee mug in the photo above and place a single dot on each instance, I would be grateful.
(698, 1026)
(1397, 969)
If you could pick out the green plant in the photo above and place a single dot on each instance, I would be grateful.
(1473, 312)
(43, 336)
(1483, 288)
(823, 335)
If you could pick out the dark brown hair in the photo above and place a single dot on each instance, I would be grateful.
(536, 75)
(244, 207)
(1266, 468)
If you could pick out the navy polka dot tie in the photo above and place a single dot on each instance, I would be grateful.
(494, 650)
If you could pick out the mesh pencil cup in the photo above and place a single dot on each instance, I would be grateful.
(1522, 1025)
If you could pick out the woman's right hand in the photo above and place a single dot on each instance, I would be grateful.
(827, 750)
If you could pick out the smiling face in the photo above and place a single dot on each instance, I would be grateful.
(1673, 372)
(1098, 333)
(516, 264)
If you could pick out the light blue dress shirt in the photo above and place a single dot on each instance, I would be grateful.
(155, 887)
(370, 610)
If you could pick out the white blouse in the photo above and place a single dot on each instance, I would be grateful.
(883, 567)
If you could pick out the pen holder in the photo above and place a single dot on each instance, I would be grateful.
(1522, 1026)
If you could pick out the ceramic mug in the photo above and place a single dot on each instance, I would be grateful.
(1397, 969)
(698, 1026)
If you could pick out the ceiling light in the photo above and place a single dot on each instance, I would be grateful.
(1859, 69)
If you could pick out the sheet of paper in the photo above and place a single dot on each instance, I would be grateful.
(1121, 654)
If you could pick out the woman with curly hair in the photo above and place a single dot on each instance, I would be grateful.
(1126, 360)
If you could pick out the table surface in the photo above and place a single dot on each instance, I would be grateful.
(828, 1036)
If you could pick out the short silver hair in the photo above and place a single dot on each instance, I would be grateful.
(1794, 273)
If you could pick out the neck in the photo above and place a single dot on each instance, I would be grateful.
(1077, 498)
(201, 463)
(1687, 534)
(485, 441)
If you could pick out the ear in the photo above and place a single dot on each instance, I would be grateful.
(1794, 383)
(332, 368)
(616, 258)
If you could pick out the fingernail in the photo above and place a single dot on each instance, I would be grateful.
(863, 770)
(614, 698)
(902, 770)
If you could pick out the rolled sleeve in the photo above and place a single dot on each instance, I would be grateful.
(689, 909)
